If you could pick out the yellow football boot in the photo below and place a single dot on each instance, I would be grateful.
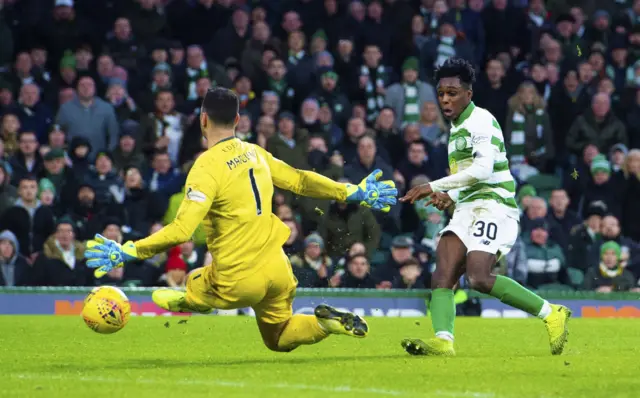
(337, 322)
(175, 301)
(557, 327)
(434, 347)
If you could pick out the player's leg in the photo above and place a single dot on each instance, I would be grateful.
(194, 299)
(450, 260)
(481, 260)
(286, 335)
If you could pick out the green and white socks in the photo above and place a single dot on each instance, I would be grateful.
(508, 291)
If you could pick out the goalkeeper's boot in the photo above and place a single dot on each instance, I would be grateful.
(176, 301)
(557, 327)
(337, 322)
(434, 347)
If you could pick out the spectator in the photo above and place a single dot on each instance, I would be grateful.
(124, 106)
(416, 163)
(127, 152)
(598, 126)
(346, 224)
(14, 267)
(198, 66)
(335, 99)
(586, 236)
(175, 269)
(537, 209)
(105, 180)
(141, 207)
(9, 134)
(560, 213)
(289, 144)
(161, 80)
(357, 275)
(491, 92)
(432, 125)
(163, 177)
(610, 275)
(58, 174)
(516, 262)
(602, 187)
(230, 40)
(631, 172)
(194, 257)
(311, 268)
(446, 43)
(545, 260)
(505, 28)
(165, 129)
(34, 115)
(366, 161)
(28, 219)
(411, 275)
(406, 98)
(527, 131)
(374, 77)
(80, 116)
(27, 161)
(630, 250)
(61, 262)
(617, 156)
(402, 249)
(8, 193)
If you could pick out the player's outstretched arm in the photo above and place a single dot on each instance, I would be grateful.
(377, 195)
(104, 254)
(480, 170)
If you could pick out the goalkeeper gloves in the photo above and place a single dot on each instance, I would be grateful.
(105, 254)
(374, 194)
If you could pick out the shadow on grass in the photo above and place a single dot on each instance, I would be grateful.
(162, 363)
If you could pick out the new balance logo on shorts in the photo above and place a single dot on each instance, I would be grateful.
(485, 242)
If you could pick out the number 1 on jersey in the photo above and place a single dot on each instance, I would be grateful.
(256, 193)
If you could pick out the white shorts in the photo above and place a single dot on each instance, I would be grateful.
(485, 229)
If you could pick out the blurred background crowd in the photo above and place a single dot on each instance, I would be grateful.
(99, 107)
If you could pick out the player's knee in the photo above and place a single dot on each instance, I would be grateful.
(273, 346)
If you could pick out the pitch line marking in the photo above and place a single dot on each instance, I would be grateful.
(240, 384)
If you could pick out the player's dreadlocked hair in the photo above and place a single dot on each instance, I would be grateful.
(457, 67)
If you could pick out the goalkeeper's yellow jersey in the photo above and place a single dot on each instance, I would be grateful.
(230, 187)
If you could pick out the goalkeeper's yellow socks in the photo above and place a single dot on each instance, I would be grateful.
(301, 330)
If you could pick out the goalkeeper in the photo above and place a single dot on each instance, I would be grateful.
(229, 189)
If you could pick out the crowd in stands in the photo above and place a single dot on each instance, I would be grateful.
(99, 125)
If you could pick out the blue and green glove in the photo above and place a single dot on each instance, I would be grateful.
(374, 194)
(105, 254)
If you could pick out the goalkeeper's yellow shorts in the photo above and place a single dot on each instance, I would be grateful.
(269, 291)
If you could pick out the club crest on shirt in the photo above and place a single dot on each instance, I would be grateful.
(460, 143)
(195, 196)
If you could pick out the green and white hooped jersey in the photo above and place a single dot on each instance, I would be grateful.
(476, 124)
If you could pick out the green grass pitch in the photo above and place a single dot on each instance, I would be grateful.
(47, 356)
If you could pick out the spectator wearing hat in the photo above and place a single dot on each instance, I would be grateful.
(28, 219)
(402, 248)
(610, 231)
(79, 150)
(8, 192)
(312, 267)
(585, 236)
(545, 260)
(357, 274)
(46, 192)
(194, 256)
(617, 155)
(610, 275)
(598, 126)
(603, 187)
(56, 139)
(600, 30)
(175, 269)
(128, 153)
(27, 160)
(87, 215)
(15, 270)
(90, 117)
(330, 93)
(61, 262)
(406, 98)
(60, 176)
(617, 69)
(289, 144)
(67, 74)
(161, 80)
(105, 180)
(140, 206)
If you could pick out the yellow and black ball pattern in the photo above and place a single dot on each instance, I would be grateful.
(106, 310)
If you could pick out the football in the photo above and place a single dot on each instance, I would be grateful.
(106, 309)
